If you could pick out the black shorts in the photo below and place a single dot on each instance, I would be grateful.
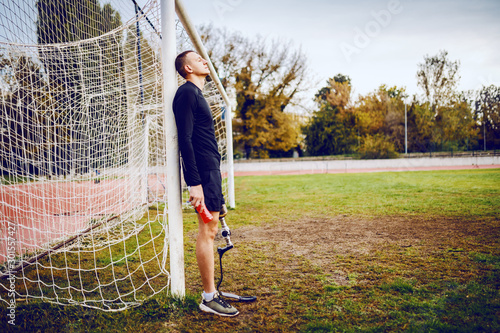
(211, 181)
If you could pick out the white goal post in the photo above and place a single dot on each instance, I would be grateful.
(175, 228)
(91, 191)
(173, 173)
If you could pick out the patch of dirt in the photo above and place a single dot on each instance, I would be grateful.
(322, 240)
(353, 235)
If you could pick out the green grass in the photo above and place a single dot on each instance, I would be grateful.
(441, 283)
(441, 193)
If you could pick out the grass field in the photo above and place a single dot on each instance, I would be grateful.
(374, 252)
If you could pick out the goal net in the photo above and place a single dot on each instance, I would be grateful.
(83, 204)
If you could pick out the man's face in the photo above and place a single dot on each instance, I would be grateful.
(196, 65)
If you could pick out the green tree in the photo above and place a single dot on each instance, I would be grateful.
(77, 65)
(331, 129)
(487, 115)
(420, 128)
(29, 132)
(455, 125)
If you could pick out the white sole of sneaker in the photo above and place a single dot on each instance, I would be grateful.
(205, 308)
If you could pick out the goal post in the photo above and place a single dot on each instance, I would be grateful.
(173, 165)
(91, 189)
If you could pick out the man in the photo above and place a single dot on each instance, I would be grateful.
(201, 166)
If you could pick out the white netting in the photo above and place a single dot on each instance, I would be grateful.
(82, 152)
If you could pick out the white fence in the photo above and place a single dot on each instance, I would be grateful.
(335, 166)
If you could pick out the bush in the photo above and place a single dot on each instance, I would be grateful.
(377, 146)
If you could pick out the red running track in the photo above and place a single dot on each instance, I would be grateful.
(33, 215)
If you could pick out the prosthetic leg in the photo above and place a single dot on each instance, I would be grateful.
(226, 233)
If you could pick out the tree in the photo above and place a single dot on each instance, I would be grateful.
(444, 120)
(420, 128)
(266, 79)
(70, 71)
(487, 114)
(28, 129)
(438, 77)
(41, 98)
(339, 92)
(377, 146)
(61, 21)
(331, 129)
(371, 111)
(380, 124)
(455, 124)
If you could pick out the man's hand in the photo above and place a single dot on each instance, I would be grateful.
(196, 195)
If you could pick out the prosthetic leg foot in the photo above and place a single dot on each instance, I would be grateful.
(226, 233)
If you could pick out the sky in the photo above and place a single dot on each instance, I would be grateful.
(373, 42)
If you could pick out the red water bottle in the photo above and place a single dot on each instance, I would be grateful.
(205, 214)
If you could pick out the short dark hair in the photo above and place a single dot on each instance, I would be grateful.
(180, 62)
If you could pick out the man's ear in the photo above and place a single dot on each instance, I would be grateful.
(188, 69)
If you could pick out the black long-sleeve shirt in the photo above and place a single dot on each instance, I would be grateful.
(196, 133)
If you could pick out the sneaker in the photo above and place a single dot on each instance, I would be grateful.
(218, 306)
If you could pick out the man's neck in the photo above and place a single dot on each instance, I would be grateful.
(198, 81)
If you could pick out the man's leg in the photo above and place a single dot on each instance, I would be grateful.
(205, 251)
(213, 303)
(211, 300)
